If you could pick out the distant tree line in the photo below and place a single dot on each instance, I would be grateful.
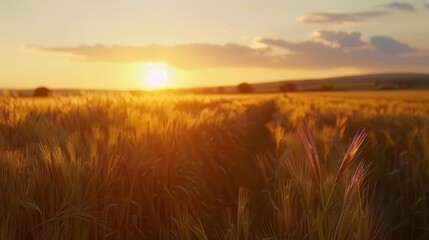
(287, 87)
(247, 88)
(241, 88)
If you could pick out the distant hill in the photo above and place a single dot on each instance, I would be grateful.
(357, 82)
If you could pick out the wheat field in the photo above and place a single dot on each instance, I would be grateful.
(214, 167)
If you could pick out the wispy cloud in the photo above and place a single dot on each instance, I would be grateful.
(186, 56)
(401, 6)
(325, 49)
(388, 45)
(358, 16)
(340, 38)
(341, 18)
(299, 47)
(426, 4)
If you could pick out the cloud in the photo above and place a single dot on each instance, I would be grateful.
(325, 50)
(426, 5)
(401, 6)
(186, 56)
(379, 54)
(341, 18)
(388, 45)
(299, 47)
(340, 38)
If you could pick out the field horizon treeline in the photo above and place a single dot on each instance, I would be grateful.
(381, 81)
(213, 167)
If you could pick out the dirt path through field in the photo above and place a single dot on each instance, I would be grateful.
(259, 141)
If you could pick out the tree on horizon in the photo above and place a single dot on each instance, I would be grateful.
(244, 88)
(42, 92)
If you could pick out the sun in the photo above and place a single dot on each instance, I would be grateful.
(156, 77)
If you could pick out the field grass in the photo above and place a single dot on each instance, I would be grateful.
(406, 95)
(293, 166)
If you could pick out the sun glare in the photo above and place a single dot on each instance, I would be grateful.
(156, 77)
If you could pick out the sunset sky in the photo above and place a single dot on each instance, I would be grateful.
(117, 43)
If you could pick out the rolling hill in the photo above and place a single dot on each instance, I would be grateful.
(357, 82)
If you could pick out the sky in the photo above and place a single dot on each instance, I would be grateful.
(116, 44)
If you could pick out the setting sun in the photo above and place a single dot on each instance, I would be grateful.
(156, 77)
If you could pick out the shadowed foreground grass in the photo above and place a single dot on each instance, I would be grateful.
(187, 167)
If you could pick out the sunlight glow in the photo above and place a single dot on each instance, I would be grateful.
(156, 77)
